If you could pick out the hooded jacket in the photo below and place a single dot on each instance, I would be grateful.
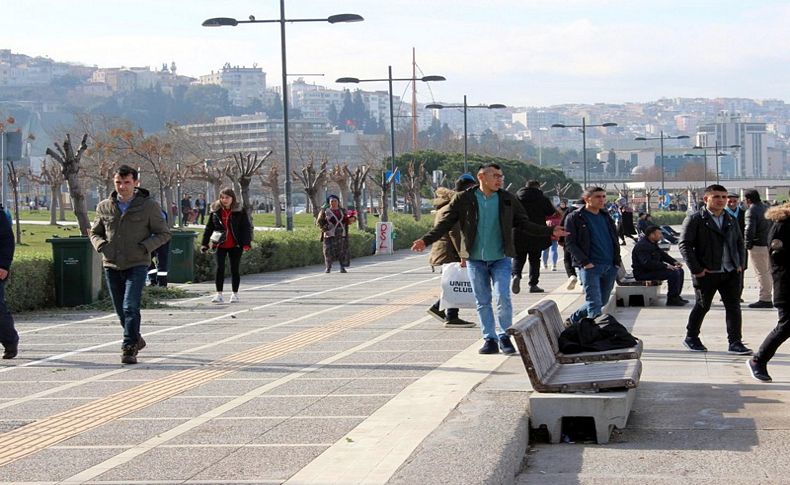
(127, 240)
(240, 226)
(779, 250)
(445, 250)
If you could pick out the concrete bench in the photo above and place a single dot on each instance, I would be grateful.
(548, 375)
(550, 317)
(632, 292)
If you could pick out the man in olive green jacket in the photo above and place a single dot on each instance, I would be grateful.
(129, 225)
(487, 215)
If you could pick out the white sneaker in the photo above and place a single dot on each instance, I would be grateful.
(217, 298)
(571, 283)
(234, 298)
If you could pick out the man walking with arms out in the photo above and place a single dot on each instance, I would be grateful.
(595, 249)
(712, 245)
(488, 214)
(129, 225)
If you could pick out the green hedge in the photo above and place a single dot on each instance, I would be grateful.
(31, 284)
(671, 218)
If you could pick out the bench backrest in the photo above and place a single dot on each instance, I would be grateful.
(535, 349)
(549, 313)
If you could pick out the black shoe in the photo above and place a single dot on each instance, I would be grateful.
(506, 345)
(458, 323)
(436, 313)
(489, 347)
(761, 304)
(676, 301)
(11, 351)
(328, 269)
(739, 348)
(515, 285)
(343, 270)
(684, 300)
(129, 355)
(694, 344)
(535, 289)
(759, 370)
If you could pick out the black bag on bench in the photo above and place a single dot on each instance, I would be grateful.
(595, 335)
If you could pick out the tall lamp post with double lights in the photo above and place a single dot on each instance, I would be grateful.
(716, 154)
(390, 79)
(465, 107)
(583, 128)
(231, 22)
(662, 137)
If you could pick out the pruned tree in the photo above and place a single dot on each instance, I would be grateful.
(313, 180)
(357, 185)
(272, 182)
(247, 166)
(13, 180)
(152, 151)
(51, 177)
(339, 176)
(69, 161)
(215, 173)
(378, 177)
(413, 182)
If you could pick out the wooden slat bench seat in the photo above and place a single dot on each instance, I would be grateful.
(550, 316)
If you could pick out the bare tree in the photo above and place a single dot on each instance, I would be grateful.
(272, 182)
(357, 183)
(153, 151)
(380, 180)
(13, 179)
(313, 181)
(216, 173)
(53, 179)
(339, 175)
(413, 182)
(247, 166)
(69, 161)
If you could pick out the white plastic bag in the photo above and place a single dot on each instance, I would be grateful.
(456, 288)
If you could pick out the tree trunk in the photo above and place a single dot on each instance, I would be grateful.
(78, 203)
(360, 210)
(244, 183)
(61, 205)
(53, 206)
(15, 189)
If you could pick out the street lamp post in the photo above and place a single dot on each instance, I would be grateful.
(583, 128)
(334, 19)
(390, 79)
(662, 138)
(465, 107)
(716, 154)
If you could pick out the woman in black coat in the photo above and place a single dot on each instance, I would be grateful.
(229, 231)
(779, 251)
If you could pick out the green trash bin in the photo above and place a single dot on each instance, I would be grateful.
(181, 260)
(78, 270)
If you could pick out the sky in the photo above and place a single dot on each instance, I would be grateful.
(516, 52)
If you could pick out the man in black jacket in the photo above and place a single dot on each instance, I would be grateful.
(488, 214)
(8, 334)
(538, 208)
(651, 263)
(756, 237)
(712, 245)
(779, 248)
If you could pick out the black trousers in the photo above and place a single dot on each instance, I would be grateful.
(567, 261)
(776, 337)
(674, 279)
(234, 254)
(8, 334)
(522, 256)
(729, 287)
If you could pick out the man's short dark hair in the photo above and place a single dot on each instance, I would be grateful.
(715, 188)
(589, 191)
(488, 165)
(752, 196)
(125, 171)
(533, 184)
(651, 229)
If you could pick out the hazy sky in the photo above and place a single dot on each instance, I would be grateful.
(518, 52)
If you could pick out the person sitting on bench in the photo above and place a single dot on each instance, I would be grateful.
(651, 263)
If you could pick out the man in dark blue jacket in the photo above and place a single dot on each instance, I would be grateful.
(593, 244)
(651, 263)
(8, 335)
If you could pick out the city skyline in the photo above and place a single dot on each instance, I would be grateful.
(533, 53)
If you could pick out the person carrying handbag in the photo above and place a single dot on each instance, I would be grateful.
(229, 231)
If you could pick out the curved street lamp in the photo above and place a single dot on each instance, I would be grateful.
(662, 138)
(583, 128)
(390, 79)
(231, 22)
(465, 107)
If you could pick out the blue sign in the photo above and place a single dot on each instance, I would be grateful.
(388, 174)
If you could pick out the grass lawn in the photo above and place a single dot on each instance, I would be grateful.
(34, 237)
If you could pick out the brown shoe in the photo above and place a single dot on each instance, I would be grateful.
(10, 351)
(129, 355)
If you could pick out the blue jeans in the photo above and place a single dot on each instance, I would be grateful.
(553, 249)
(597, 283)
(482, 274)
(8, 334)
(126, 290)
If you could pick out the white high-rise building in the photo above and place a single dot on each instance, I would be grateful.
(244, 84)
(751, 160)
